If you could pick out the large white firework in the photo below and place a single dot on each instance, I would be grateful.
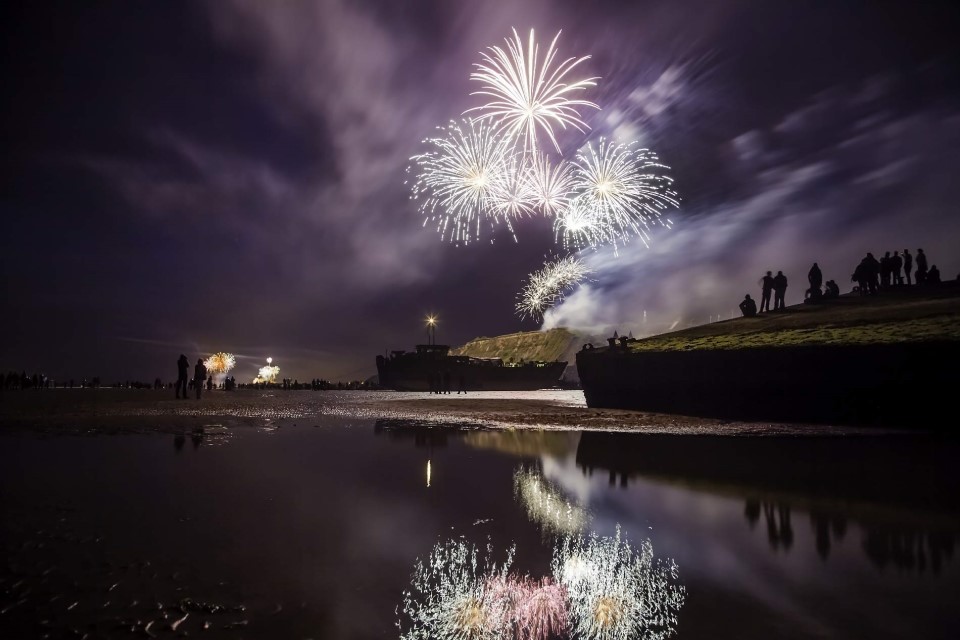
(458, 177)
(617, 591)
(624, 190)
(548, 286)
(528, 92)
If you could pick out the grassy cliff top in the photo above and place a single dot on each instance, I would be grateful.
(527, 345)
(909, 315)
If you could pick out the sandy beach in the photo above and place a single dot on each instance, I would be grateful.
(136, 411)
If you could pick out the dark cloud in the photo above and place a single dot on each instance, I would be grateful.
(231, 175)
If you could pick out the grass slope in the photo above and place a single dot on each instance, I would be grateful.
(911, 315)
(527, 345)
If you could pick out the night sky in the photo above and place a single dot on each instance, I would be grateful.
(194, 177)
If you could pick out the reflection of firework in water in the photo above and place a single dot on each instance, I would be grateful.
(601, 589)
(220, 363)
(617, 592)
(547, 287)
(527, 93)
(453, 595)
(546, 504)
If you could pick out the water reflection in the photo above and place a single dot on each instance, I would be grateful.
(546, 503)
(600, 588)
(896, 545)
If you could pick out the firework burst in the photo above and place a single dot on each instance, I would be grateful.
(220, 363)
(624, 190)
(459, 176)
(547, 286)
(267, 374)
(616, 591)
(529, 93)
(551, 185)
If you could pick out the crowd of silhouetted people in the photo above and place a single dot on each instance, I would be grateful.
(871, 277)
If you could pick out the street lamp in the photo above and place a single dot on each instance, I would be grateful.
(431, 329)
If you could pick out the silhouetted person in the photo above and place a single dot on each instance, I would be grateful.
(766, 286)
(815, 277)
(748, 307)
(933, 276)
(833, 289)
(885, 270)
(779, 291)
(183, 365)
(209, 383)
(463, 385)
(921, 267)
(446, 382)
(872, 271)
(908, 265)
(896, 266)
(199, 375)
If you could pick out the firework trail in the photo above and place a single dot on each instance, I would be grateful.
(459, 176)
(616, 591)
(547, 286)
(528, 93)
(623, 190)
(546, 505)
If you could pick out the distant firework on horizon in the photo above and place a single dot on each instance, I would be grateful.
(220, 363)
(548, 286)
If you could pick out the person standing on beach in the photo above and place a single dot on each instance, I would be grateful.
(907, 265)
(779, 291)
(766, 288)
(199, 375)
(183, 365)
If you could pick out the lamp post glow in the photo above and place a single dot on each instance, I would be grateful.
(431, 329)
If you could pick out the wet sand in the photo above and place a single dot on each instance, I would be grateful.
(137, 411)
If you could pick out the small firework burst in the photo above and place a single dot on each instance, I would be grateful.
(548, 286)
(220, 363)
(551, 184)
(546, 505)
(617, 591)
